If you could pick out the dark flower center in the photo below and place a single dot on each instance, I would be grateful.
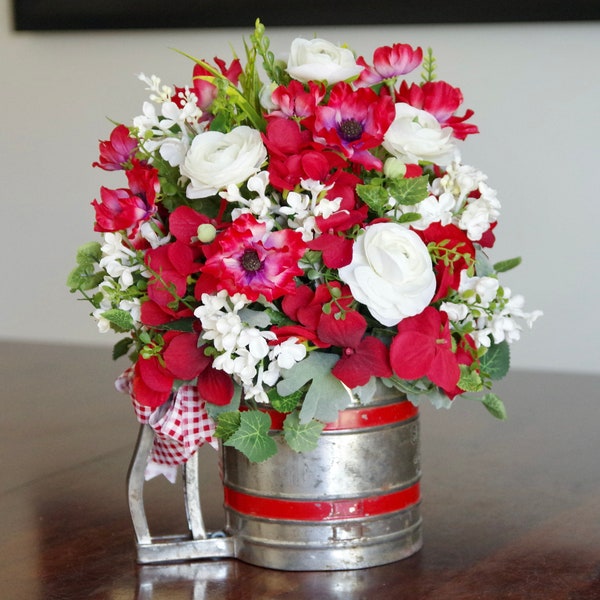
(350, 129)
(251, 261)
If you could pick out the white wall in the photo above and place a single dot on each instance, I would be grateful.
(534, 88)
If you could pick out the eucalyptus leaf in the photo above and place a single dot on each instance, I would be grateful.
(496, 361)
(326, 394)
(255, 318)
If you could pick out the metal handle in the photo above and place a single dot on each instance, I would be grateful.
(196, 544)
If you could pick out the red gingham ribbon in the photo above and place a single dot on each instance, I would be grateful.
(181, 426)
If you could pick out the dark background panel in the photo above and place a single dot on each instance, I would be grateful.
(152, 14)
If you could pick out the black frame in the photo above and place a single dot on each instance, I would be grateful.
(65, 15)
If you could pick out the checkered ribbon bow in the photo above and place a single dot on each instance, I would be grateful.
(181, 425)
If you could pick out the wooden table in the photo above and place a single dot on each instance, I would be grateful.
(511, 510)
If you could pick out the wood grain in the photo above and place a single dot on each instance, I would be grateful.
(511, 510)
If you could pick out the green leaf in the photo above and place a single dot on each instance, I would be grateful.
(470, 380)
(185, 325)
(495, 406)
(121, 348)
(120, 318)
(408, 191)
(326, 394)
(83, 278)
(301, 437)
(89, 254)
(374, 196)
(507, 265)
(227, 424)
(409, 217)
(284, 404)
(496, 361)
(252, 437)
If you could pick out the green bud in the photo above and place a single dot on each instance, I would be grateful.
(394, 168)
(206, 233)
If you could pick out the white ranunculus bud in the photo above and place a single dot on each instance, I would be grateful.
(216, 160)
(320, 60)
(391, 272)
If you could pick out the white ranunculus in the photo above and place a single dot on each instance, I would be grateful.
(216, 160)
(320, 60)
(391, 272)
(416, 135)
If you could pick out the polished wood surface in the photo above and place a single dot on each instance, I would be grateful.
(511, 510)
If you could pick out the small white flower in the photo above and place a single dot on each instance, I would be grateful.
(432, 210)
(288, 353)
(455, 312)
(485, 288)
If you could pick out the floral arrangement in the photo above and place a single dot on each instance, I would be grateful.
(289, 242)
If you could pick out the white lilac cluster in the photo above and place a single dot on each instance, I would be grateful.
(156, 129)
(450, 202)
(243, 349)
(121, 264)
(492, 310)
(299, 212)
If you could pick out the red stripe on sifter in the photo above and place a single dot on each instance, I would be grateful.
(360, 418)
(321, 510)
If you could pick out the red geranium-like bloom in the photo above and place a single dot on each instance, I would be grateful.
(248, 259)
(116, 151)
(170, 265)
(353, 121)
(389, 62)
(126, 209)
(362, 357)
(181, 359)
(423, 348)
(442, 101)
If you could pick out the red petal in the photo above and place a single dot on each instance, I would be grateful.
(369, 360)
(183, 358)
(346, 332)
(184, 222)
(215, 386)
(411, 354)
(146, 396)
(444, 370)
(154, 375)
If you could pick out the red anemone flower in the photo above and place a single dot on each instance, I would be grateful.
(116, 151)
(126, 209)
(353, 121)
(246, 258)
(389, 62)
